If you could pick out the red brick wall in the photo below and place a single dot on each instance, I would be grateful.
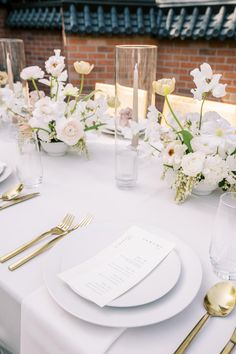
(176, 58)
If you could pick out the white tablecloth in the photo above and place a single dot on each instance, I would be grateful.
(73, 184)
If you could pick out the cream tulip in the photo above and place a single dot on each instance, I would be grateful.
(164, 87)
(83, 67)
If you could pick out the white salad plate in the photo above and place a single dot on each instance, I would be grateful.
(88, 242)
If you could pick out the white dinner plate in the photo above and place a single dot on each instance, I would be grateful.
(161, 280)
(5, 173)
(91, 240)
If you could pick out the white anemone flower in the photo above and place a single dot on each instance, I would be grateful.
(173, 153)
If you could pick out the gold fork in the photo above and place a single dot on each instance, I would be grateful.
(84, 222)
(63, 226)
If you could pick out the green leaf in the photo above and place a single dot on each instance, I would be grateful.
(187, 137)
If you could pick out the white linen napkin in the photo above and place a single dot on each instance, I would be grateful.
(47, 329)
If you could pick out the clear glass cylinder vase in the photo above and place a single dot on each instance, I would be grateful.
(12, 61)
(135, 73)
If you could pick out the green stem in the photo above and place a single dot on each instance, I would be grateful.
(17, 114)
(36, 88)
(80, 91)
(57, 88)
(173, 113)
(155, 148)
(201, 113)
(37, 129)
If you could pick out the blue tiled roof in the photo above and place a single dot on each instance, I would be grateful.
(181, 22)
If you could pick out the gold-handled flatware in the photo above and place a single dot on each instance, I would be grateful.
(63, 226)
(12, 193)
(18, 200)
(230, 345)
(84, 222)
(219, 301)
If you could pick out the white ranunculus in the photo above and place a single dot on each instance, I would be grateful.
(164, 87)
(215, 169)
(46, 110)
(173, 153)
(69, 130)
(55, 64)
(83, 67)
(70, 90)
(192, 163)
(231, 162)
(32, 73)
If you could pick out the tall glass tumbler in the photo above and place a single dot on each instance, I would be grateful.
(223, 243)
(135, 73)
(29, 168)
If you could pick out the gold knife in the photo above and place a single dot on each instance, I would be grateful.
(230, 345)
(19, 200)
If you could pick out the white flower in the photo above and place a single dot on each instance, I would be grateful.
(32, 73)
(215, 169)
(46, 110)
(207, 82)
(55, 64)
(231, 162)
(173, 153)
(192, 163)
(164, 87)
(203, 144)
(70, 131)
(131, 130)
(83, 67)
(70, 90)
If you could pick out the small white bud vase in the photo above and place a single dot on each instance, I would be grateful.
(203, 188)
(55, 149)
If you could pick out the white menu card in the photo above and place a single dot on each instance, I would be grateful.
(118, 267)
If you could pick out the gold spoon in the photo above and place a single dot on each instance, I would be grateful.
(219, 301)
(12, 193)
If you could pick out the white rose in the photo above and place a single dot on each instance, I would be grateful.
(70, 131)
(231, 162)
(32, 73)
(83, 67)
(215, 169)
(164, 87)
(192, 163)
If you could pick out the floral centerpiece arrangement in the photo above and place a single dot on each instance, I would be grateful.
(198, 151)
(61, 113)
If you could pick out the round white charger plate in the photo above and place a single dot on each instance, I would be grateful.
(6, 173)
(90, 241)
